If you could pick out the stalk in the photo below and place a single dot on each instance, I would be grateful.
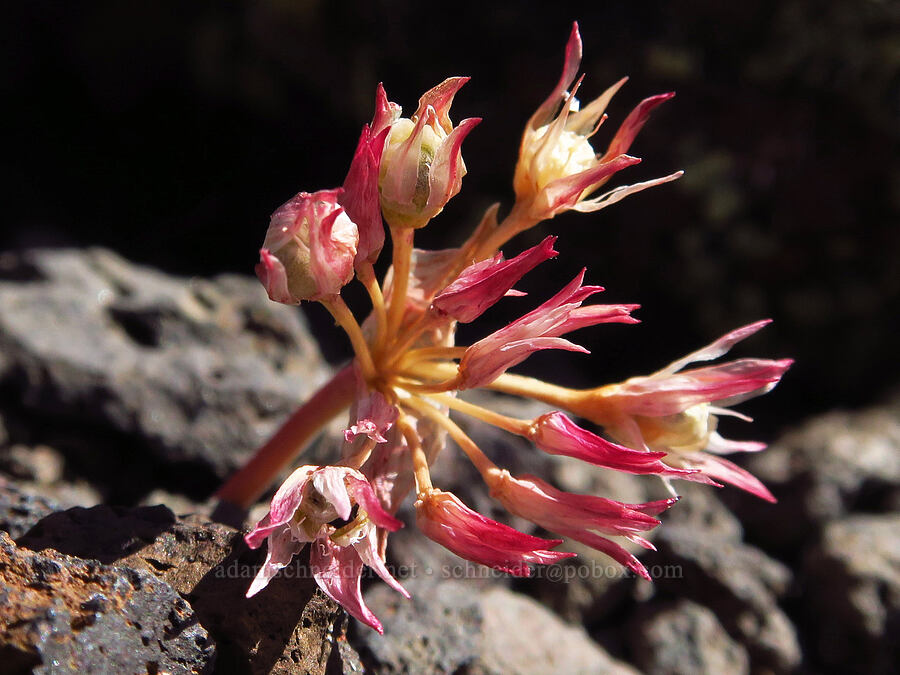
(243, 488)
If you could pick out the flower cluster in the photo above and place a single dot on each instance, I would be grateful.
(402, 385)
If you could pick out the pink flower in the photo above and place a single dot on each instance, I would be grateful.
(375, 417)
(303, 510)
(441, 516)
(485, 360)
(556, 434)
(309, 248)
(581, 517)
(674, 410)
(558, 168)
(360, 198)
(481, 285)
(422, 166)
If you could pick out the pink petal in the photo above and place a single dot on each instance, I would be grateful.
(728, 472)
(667, 393)
(717, 348)
(282, 548)
(365, 496)
(367, 549)
(556, 434)
(482, 284)
(633, 123)
(548, 108)
(285, 502)
(360, 197)
(375, 417)
(273, 277)
(329, 481)
(470, 535)
(337, 572)
(485, 360)
(440, 98)
(619, 193)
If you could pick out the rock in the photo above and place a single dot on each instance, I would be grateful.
(288, 627)
(833, 464)
(40, 464)
(60, 614)
(451, 626)
(198, 372)
(855, 622)
(684, 638)
(740, 583)
(21, 510)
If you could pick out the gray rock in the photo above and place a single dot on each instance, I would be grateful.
(21, 510)
(197, 371)
(853, 594)
(288, 627)
(684, 638)
(60, 614)
(830, 466)
(451, 626)
(740, 583)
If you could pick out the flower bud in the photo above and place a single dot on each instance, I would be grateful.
(309, 248)
(422, 166)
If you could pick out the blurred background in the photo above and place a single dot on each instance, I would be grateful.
(169, 131)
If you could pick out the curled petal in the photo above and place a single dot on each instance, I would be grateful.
(375, 417)
(273, 277)
(364, 495)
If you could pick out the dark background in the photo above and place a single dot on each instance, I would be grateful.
(169, 131)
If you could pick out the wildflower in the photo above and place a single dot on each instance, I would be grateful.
(556, 434)
(403, 384)
(674, 410)
(422, 166)
(481, 285)
(309, 249)
(485, 360)
(580, 517)
(441, 516)
(303, 511)
(558, 169)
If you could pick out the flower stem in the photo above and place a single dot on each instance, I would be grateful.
(532, 388)
(430, 353)
(244, 487)
(484, 465)
(510, 424)
(518, 220)
(402, 238)
(419, 460)
(347, 321)
(366, 275)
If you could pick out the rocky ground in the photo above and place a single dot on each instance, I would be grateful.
(126, 395)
